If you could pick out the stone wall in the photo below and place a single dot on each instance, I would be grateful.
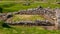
(35, 23)
(48, 13)
(35, 11)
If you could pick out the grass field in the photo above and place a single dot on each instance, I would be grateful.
(33, 0)
(15, 6)
(27, 30)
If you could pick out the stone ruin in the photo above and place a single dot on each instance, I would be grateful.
(49, 14)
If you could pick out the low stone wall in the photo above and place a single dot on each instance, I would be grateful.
(46, 12)
(36, 11)
(36, 23)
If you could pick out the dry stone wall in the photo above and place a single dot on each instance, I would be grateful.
(48, 13)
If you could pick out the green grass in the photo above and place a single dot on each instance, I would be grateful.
(16, 18)
(12, 6)
(15, 6)
(27, 30)
(31, 0)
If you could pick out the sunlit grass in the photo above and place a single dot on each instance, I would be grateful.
(16, 18)
(15, 6)
(27, 30)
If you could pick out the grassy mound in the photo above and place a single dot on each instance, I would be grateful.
(16, 18)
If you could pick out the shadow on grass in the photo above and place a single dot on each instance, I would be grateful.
(6, 25)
